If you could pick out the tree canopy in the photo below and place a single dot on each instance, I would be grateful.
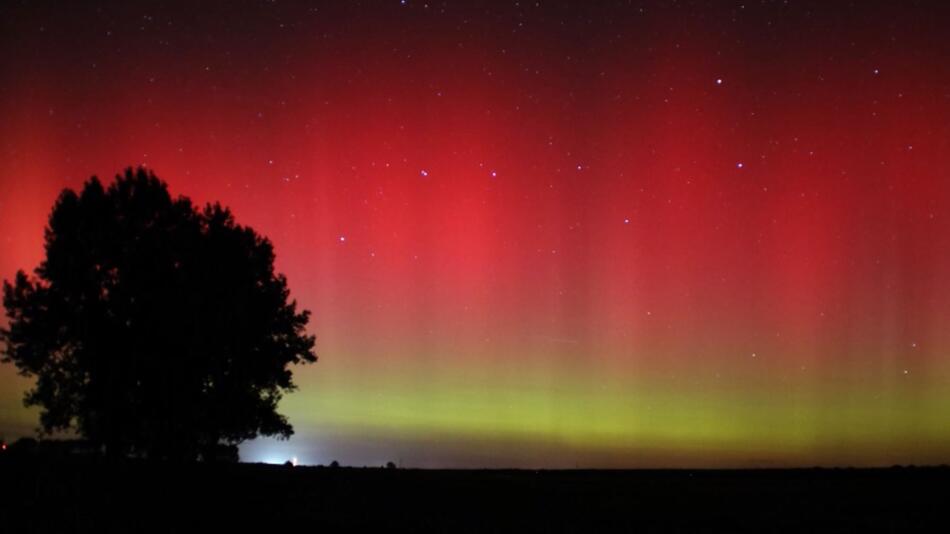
(152, 326)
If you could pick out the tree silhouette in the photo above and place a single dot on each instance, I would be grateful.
(154, 327)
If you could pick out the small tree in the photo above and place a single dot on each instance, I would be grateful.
(152, 326)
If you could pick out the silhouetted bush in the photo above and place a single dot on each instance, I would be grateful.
(221, 453)
(23, 446)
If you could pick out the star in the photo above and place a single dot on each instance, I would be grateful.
(718, 81)
(342, 239)
(424, 172)
(740, 165)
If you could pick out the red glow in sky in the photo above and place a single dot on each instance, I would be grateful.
(540, 234)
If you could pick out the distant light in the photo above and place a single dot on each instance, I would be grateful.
(424, 172)
(739, 165)
(293, 461)
(626, 221)
(718, 81)
(342, 239)
(494, 174)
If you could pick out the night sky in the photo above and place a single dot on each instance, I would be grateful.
(539, 234)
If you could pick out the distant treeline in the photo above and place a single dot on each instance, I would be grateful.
(62, 448)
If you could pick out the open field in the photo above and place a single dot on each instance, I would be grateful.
(90, 496)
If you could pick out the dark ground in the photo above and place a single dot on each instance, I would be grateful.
(89, 495)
